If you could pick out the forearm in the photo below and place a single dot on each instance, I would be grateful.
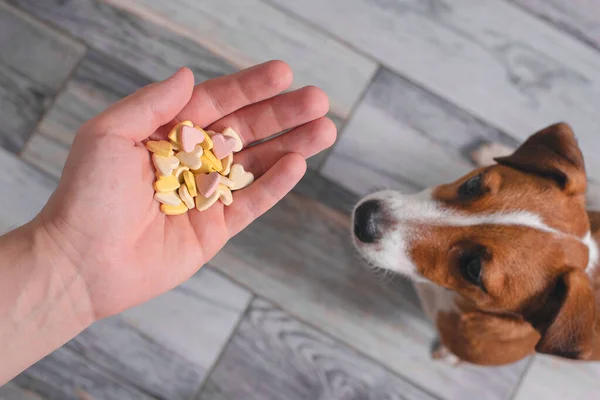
(43, 300)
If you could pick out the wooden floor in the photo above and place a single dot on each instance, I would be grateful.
(274, 317)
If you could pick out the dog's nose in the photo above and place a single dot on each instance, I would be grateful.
(366, 221)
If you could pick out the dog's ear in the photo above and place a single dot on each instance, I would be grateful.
(553, 153)
(566, 321)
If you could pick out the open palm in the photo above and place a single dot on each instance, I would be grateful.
(103, 216)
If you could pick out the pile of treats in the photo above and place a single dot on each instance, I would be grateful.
(195, 168)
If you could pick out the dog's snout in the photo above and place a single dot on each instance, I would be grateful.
(366, 221)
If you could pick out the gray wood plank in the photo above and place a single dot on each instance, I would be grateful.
(123, 351)
(34, 62)
(45, 154)
(581, 18)
(195, 319)
(405, 138)
(273, 357)
(142, 45)
(550, 378)
(321, 281)
(491, 58)
(163, 348)
(11, 391)
(98, 82)
(25, 192)
(248, 32)
(66, 375)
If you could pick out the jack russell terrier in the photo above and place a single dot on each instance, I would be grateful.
(504, 259)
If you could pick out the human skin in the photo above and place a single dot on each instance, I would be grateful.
(101, 245)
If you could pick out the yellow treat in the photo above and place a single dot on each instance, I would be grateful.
(174, 134)
(173, 210)
(213, 162)
(190, 183)
(179, 171)
(202, 203)
(176, 146)
(168, 198)
(204, 168)
(166, 184)
(186, 197)
(225, 194)
(233, 134)
(227, 161)
(161, 148)
(207, 144)
(193, 160)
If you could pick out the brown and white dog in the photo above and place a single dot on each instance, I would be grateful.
(504, 259)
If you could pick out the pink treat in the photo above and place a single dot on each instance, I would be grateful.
(222, 146)
(190, 137)
(207, 183)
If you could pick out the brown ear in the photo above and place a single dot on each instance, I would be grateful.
(553, 153)
(567, 320)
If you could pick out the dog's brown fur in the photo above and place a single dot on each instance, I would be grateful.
(539, 297)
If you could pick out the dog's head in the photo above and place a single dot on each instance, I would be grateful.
(509, 239)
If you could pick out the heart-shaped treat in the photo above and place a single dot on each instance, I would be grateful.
(229, 132)
(179, 171)
(162, 147)
(191, 159)
(203, 203)
(190, 137)
(227, 161)
(206, 184)
(222, 146)
(190, 183)
(225, 194)
(166, 184)
(186, 197)
(168, 198)
(175, 134)
(165, 165)
(239, 178)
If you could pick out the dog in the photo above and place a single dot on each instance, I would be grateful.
(505, 259)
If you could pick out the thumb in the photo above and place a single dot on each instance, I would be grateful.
(138, 115)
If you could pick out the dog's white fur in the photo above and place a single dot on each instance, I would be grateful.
(408, 212)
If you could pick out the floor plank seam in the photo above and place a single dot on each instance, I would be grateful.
(558, 26)
(50, 106)
(522, 378)
(359, 100)
(226, 344)
(340, 341)
(317, 28)
(50, 25)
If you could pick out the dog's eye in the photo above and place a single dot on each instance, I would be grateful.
(470, 268)
(471, 188)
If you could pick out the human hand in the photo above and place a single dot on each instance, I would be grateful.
(103, 217)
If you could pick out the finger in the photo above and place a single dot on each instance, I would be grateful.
(261, 120)
(219, 97)
(253, 201)
(306, 140)
(138, 115)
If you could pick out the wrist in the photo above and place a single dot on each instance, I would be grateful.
(52, 251)
(43, 299)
